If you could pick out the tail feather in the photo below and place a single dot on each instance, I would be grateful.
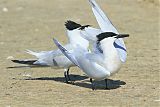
(27, 62)
(31, 52)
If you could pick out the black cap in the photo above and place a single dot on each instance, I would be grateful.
(70, 25)
(105, 35)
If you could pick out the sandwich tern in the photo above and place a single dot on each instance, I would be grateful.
(109, 49)
(97, 66)
(55, 58)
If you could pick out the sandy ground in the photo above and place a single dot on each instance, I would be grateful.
(31, 24)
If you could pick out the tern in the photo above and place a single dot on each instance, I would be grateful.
(109, 51)
(55, 58)
(97, 66)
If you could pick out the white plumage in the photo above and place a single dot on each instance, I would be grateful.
(108, 53)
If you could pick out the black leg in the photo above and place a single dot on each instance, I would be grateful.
(65, 75)
(106, 81)
(93, 86)
(68, 75)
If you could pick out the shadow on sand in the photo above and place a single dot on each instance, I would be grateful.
(27, 66)
(83, 81)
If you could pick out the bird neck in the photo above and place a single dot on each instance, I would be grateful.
(108, 48)
(111, 57)
(75, 38)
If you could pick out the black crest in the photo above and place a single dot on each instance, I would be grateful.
(83, 27)
(70, 25)
(105, 35)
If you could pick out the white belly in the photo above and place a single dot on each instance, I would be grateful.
(93, 70)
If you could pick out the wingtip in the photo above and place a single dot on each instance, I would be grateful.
(27, 62)
(14, 60)
(92, 2)
(54, 40)
(28, 51)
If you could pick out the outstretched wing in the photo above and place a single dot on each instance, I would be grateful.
(103, 21)
(107, 26)
(69, 55)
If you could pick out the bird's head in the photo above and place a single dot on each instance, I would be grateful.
(110, 36)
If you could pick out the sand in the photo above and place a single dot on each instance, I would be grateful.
(31, 24)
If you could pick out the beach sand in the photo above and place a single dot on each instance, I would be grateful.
(32, 24)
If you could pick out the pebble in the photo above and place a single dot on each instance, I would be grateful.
(36, 30)
(157, 100)
(5, 9)
(2, 43)
(26, 75)
(10, 57)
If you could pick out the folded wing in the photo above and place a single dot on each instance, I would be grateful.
(69, 55)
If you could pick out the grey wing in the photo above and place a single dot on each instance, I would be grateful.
(107, 26)
(69, 55)
(103, 21)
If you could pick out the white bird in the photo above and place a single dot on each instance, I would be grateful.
(55, 58)
(105, 26)
(110, 49)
